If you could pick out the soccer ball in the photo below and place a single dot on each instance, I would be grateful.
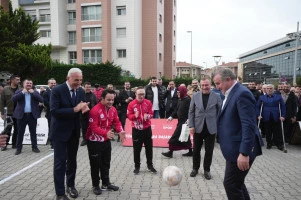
(172, 175)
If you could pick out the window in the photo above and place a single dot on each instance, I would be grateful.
(174, 18)
(174, 48)
(71, 17)
(160, 18)
(72, 57)
(45, 15)
(121, 53)
(92, 56)
(91, 12)
(72, 37)
(160, 37)
(121, 32)
(71, 1)
(287, 44)
(45, 33)
(160, 1)
(160, 56)
(91, 34)
(121, 10)
(32, 14)
(264, 52)
(286, 58)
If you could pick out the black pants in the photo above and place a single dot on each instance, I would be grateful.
(65, 153)
(209, 146)
(288, 129)
(122, 118)
(139, 138)
(234, 181)
(273, 132)
(29, 120)
(100, 159)
(85, 124)
(11, 122)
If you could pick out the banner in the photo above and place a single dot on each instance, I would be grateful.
(42, 132)
(162, 131)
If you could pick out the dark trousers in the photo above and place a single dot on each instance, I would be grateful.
(234, 181)
(29, 120)
(49, 131)
(65, 153)
(162, 112)
(139, 138)
(288, 129)
(11, 122)
(100, 159)
(122, 118)
(209, 146)
(85, 124)
(273, 132)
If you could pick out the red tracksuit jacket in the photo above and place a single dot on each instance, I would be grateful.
(142, 107)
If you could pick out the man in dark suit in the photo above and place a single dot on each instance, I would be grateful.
(27, 113)
(46, 96)
(171, 98)
(203, 110)
(66, 106)
(240, 140)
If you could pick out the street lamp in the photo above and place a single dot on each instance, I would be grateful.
(190, 51)
(295, 36)
(216, 60)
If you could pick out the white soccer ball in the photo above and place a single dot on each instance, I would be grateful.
(172, 175)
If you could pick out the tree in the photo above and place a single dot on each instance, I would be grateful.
(18, 32)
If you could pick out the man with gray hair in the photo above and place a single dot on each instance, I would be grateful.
(66, 106)
(240, 140)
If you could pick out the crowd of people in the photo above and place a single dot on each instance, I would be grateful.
(228, 110)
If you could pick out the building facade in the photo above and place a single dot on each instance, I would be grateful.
(271, 63)
(186, 70)
(137, 35)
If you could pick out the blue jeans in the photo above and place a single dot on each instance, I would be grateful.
(156, 114)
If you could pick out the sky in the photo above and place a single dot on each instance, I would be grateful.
(229, 28)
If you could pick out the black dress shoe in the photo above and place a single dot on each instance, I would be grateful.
(17, 152)
(97, 190)
(62, 197)
(193, 173)
(3, 148)
(72, 192)
(167, 154)
(280, 147)
(36, 150)
(207, 175)
(13, 146)
(269, 146)
(83, 143)
(136, 171)
(189, 154)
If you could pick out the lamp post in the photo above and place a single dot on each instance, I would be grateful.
(190, 51)
(295, 36)
(216, 60)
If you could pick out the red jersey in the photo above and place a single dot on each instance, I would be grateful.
(98, 93)
(101, 121)
(142, 107)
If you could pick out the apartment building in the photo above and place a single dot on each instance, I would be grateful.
(138, 35)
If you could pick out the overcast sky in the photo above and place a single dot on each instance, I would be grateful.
(231, 27)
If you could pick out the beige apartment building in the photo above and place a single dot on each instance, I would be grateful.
(138, 35)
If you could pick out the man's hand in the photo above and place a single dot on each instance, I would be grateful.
(110, 134)
(137, 114)
(3, 140)
(192, 130)
(169, 119)
(293, 119)
(122, 136)
(24, 91)
(243, 162)
(30, 91)
(146, 116)
(82, 106)
(259, 118)
(282, 119)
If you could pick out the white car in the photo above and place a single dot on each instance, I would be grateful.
(39, 86)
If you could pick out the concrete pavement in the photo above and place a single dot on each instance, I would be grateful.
(275, 175)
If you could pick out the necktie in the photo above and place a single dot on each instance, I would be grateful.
(73, 97)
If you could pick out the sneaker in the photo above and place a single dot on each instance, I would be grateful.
(36, 150)
(152, 169)
(136, 171)
(109, 187)
(3, 148)
(97, 190)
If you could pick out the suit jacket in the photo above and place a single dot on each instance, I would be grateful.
(237, 125)
(270, 108)
(19, 99)
(46, 97)
(198, 115)
(171, 101)
(122, 97)
(63, 118)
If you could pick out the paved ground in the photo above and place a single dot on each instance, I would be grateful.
(275, 175)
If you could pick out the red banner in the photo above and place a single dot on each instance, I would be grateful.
(162, 131)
